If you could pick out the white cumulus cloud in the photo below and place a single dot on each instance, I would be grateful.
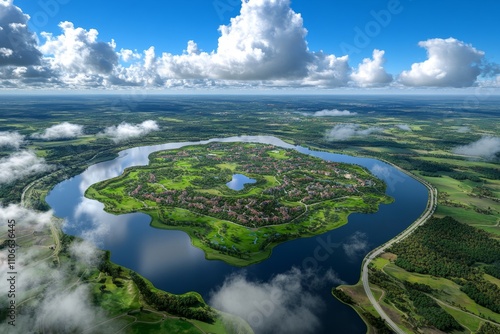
(404, 127)
(25, 216)
(20, 165)
(327, 71)
(18, 46)
(450, 63)
(76, 52)
(486, 147)
(333, 112)
(126, 131)
(463, 129)
(266, 41)
(64, 130)
(371, 72)
(68, 312)
(11, 139)
(263, 46)
(347, 131)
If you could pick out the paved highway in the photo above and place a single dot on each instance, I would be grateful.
(429, 211)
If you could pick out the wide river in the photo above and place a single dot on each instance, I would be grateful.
(301, 272)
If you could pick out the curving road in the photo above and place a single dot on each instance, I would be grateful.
(429, 211)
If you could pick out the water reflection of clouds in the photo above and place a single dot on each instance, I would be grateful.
(168, 249)
(95, 224)
(356, 245)
(388, 174)
(160, 254)
(100, 172)
(139, 156)
(270, 140)
(238, 182)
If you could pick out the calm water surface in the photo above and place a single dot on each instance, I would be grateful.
(171, 263)
(238, 182)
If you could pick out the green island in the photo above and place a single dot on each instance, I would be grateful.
(293, 195)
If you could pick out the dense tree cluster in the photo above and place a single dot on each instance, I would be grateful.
(410, 163)
(488, 328)
(188, 306)
(378, 323)
(341, 295)
(461, 176)
(493, 270)
(413, 298)
(446, 248)
(484, 293)
(433, 314)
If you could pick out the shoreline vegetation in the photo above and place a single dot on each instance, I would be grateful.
(403, 278)
(295, 196)
(468, 186)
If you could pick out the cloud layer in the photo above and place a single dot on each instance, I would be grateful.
(486, 147)
(356, 245)
(284, 304)
(126, 131)
(63, 303)
(264, 45)
(333, 112)
(18, 46)
(450, 63)
(11, 139)
(371, 72)
(61, 131)
(342, 132)
(20, 165)
(404, 127)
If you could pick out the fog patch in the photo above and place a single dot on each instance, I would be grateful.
(343, 132)
(20, 165)
(11, 139)
(487, 148)
(126, 131)
(60, 131)
(284, 304)
(404, 127)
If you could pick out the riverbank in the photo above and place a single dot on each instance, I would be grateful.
(185, 190)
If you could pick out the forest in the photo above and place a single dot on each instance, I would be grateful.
(444, 247)
(189, 305)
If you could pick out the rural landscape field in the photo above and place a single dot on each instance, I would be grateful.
(267, 186)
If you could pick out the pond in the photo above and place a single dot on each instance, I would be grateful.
(238, 182)
(303, 270)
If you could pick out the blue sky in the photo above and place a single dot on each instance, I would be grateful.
(332, 27)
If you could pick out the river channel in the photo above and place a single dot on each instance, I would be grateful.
(168, 259)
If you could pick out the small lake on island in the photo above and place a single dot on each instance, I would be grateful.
(238, 182)
(305, 270)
